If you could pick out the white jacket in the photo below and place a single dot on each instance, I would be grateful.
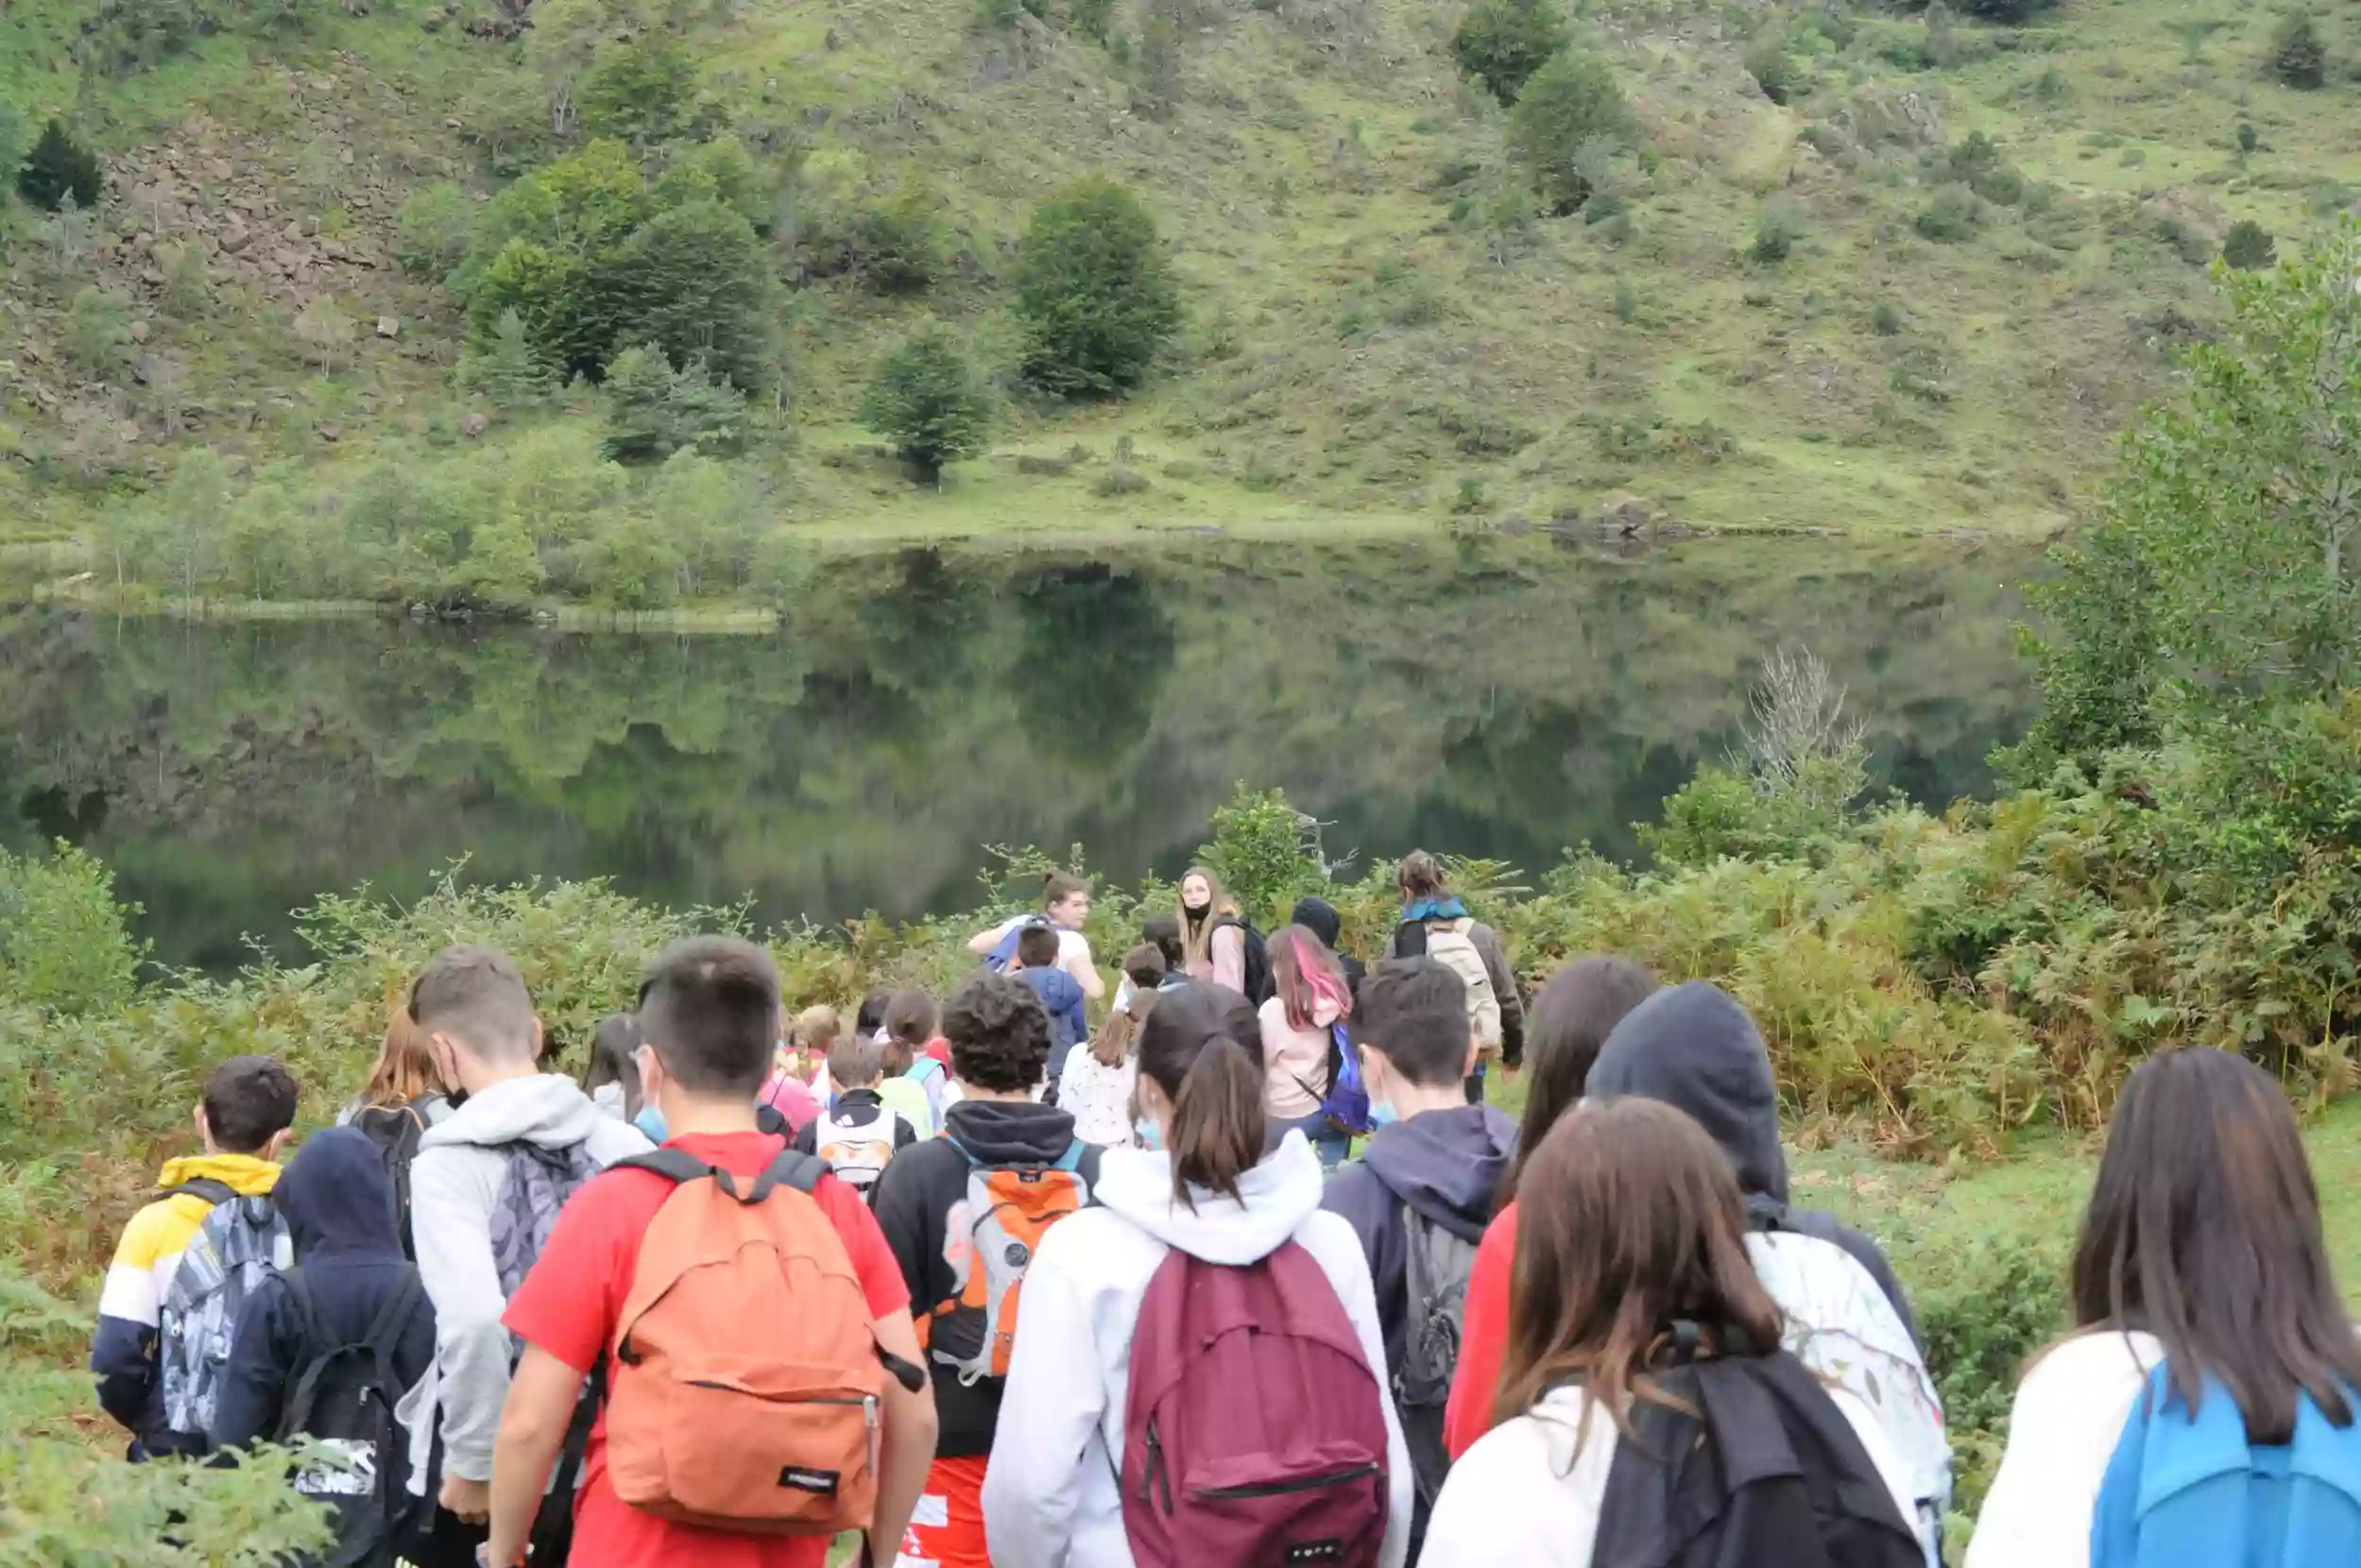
(2068, 1419)
(1050, 1493)
(1528, 1494)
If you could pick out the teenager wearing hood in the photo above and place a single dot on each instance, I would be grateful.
(1204, 1186)
(1000, 1044)
(1694, 1047)
(1435, 922)
(1318, 916)
(1425, 1180)
(338, 1202)
(476, 1011)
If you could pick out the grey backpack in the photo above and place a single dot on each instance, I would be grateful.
(1435, 1281)
(534, 1187)
(238, 1246)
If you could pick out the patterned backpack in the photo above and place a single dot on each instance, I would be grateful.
(858, 1152)
(534, 1187)
(240, 1244)
(1009, 1209)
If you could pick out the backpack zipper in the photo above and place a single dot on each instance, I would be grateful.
(1154, 1471)
(1279, 1489)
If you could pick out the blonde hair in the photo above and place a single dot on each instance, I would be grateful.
(404, 1069)
(1197, 933)
(815, 1029)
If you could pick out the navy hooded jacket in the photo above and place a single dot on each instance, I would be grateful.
(1061, 998)
(1694, 1047)
(338, 1200)
(1449, 1166)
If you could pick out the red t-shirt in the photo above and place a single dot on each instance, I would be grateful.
(1483, 1338)
(570, 1304)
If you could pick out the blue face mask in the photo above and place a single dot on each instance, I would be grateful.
(651, 1121)
(1382, 1114)
(1149, 1133)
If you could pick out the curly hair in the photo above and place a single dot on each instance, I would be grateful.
(999, 1032)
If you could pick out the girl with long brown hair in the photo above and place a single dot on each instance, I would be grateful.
(1310, 1002)
(2202, 1297)
(1633, 1241)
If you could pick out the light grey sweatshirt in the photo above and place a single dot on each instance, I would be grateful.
(453, 1184)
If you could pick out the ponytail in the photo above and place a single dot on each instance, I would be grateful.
(1191, 1046)
(1217, 1121)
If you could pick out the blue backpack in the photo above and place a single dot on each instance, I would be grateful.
(2187, 1491)
(1003, 952)
(1346, 1103)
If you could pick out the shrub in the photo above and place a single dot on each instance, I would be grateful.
(1979, 164)
(2297, 57)
(2007, 13)
(126, 34)
(1773, 69)
(1777, 227)
(925, 400)
(1266, 853)
(60, 167)
(1094, 292)
(696, 282)
(188, 291)
(2248, 247)
(63, 941)
(1502, 43)
(899, 245)
(16, 140)
(1983, 1312)
(1886, 320)
(433, 230)
(99, 332)
(653, 410)
(1571, 106)
(506, 369)
(1951, 217)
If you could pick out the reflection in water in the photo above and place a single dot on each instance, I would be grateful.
(1504, 698)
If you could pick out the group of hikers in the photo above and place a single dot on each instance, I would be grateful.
(1252, 1274)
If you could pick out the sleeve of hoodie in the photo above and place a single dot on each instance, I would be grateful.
(123, 1351)
(1329, 1240)
(1053, 1403)
(1504, 988)
(451, 1221)
(263, 1352)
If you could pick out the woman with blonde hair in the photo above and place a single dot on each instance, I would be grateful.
(1213, 932)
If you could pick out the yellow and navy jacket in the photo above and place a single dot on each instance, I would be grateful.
(123, 1352)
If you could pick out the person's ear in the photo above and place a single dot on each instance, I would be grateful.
(1475, 1054)
(278, 1142)
(446, 1057)
(1377, 1070)
(651, 1074)
(541, 1038)
(1153, 1102)
(204, 1134)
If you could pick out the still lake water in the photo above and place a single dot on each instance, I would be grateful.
(1504, 698)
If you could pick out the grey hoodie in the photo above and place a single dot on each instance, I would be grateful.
(453, 1184)
(1050, 1492)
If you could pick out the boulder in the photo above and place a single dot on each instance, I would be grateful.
(388, 326)
(472, 425)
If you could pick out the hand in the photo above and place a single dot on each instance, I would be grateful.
(470, 1501)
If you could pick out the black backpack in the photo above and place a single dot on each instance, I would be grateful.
(396, 1130)
(1767, 1473)
(343, 1395)
(1259, 988)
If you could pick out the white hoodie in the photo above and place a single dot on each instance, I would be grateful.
(454, 1181)
(1051, 1498)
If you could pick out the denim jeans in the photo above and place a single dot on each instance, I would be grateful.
(1327, 1142)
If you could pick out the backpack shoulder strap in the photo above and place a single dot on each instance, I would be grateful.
(385, 1330)
(800, 1171)
(675, 1166)
(297, 1412)
(213, 1189)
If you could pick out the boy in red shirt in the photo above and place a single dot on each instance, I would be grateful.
(708, 1012)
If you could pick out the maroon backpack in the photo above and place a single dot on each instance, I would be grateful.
(1254, 1432)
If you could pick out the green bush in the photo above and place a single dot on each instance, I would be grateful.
(1777, 227)
(16, 140)
(127, 34)
(1979, 164)
(506, 369)
(2299, 58)
(1984, 1311)
(642, 92)
(1566, 113)
(653, 410)
(2007, 13)
(1951, 217)
(1094, 292)
(1502, 43)
(925, 400)
(99, 333)
(58, 169)
(899, 245)
(1266, 853)
(433, 230)
(696, 283)
(63, 941)
(2248, 247)
(1774, 70)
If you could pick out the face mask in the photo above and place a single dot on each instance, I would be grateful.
(651, 1121)
(1382, 1114)
(1149, 1133)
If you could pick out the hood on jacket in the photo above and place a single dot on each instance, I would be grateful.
(1057, 989)
(1002, 1131)
(247, 1175)
(1434, 908)
(546, 1109)
(1694, 1047)
(1448, 1164)
(1279, 1194)
(338, 1197)
(1318, 916)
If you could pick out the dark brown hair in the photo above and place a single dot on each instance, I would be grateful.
(1303, 974)
(1144, 967)
(1420, 876)
(405, 1070)
(1571, 1018)
(2204, 1230)
(1414, 1010)
(999, 1036)
(910, 1019)
(1058, 886)
(1194, 1047)
(613, 1044)
(249, 1101)
(1037, 946)
(1630, 1223)
(708, 1007)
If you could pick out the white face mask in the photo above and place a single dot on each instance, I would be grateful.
(608, 1097)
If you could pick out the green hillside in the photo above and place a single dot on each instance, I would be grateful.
(1839, 311)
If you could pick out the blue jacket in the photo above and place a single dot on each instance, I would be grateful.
(2187, 1491)
(1448, 1164)
(338, 1200)
(1061, 996)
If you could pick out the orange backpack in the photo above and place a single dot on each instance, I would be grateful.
(1010, 1207)
(746, 1386)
